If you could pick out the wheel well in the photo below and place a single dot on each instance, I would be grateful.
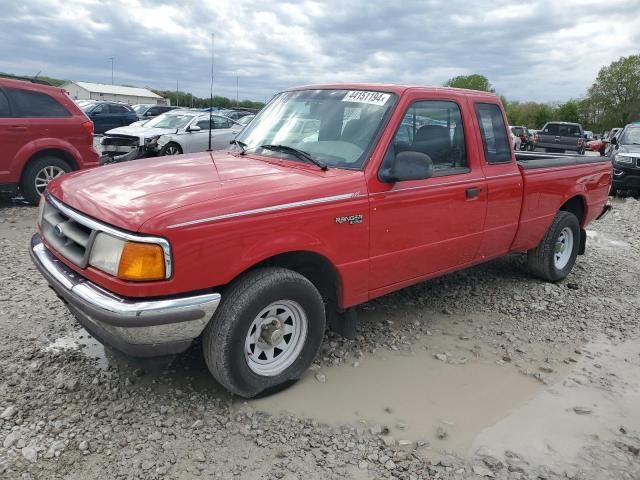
(576, 206)
(50, 152)
(313, 266)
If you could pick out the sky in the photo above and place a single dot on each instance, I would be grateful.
(546, 50)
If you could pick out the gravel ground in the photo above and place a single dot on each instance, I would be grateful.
(78, 414)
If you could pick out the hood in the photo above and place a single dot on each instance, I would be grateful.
(628, 149)
(179, 189)
(140, 131)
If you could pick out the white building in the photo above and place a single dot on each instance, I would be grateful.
(114, 93)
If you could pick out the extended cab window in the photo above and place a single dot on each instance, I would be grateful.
(497, 146)
(433, 127)
(35, 104)
(4, 106)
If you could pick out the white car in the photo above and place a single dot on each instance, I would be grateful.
(195, 136)
(515, 140)
(181, 131)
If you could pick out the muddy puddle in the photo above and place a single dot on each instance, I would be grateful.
(415, 395)
(597, 401)
(81, 341)
(600, 240)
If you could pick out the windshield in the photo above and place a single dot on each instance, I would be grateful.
(140, 108)
(170, 121)
(333, 126)
(630, 136)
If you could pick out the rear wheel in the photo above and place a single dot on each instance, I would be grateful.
(554, 257)
(39, 174)
(171, 148)
(266, 332)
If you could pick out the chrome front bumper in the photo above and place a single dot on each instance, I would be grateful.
(141, 328)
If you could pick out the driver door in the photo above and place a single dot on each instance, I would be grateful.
(422, 227)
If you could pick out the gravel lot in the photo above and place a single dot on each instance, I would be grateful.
(483, 373)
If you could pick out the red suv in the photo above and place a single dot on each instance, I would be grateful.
(43, 135)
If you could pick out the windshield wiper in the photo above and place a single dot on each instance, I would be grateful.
(241, 145)
(302, 155)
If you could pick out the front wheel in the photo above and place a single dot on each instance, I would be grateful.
(554, 257)
(266, 332)
(171, 148)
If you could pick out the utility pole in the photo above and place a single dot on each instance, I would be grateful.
(237, 98)
(111, 58)
(177, 95)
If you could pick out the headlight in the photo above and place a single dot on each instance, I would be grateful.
(623, 158)
(134, 261)
(151, 141)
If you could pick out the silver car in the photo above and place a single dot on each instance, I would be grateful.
(195, 136)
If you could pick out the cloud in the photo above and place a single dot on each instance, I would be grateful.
(545, 50)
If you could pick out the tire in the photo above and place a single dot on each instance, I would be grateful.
(171, 148)
(543, 260)
(38, 174)
(249, 302)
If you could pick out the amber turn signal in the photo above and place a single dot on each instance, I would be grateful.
(141, 262)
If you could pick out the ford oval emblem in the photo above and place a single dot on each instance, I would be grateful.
(57, 230)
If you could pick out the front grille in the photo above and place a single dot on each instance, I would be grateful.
(120, 141)
(68, 237)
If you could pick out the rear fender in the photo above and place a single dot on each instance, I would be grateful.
(32, 148)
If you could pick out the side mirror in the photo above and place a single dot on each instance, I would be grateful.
(408, 166)
(194, 128)
(613, 141)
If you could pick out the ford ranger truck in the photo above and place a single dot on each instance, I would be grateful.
(251, 249)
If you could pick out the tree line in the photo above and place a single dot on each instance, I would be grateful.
(613, 100)
(187, 99)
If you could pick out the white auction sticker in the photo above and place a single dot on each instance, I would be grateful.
(362, 96)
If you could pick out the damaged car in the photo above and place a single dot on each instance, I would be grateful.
(141, 140)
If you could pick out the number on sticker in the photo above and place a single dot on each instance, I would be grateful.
(362, 96)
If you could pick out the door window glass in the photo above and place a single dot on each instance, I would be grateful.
(4, 106)
(204, 124)
(434, 128)
(118, 109)
(497, 146)
(28, 103)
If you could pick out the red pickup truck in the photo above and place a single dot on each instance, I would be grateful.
(332, 196)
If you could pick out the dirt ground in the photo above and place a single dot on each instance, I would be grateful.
(486, 373)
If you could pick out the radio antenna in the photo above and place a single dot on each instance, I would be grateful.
(211, 94)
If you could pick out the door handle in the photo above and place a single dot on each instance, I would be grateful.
(473, 192)
(17, 128)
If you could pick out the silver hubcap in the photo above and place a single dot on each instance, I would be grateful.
(171, 150)
(44, 177)
(563, 248)
(275, 338)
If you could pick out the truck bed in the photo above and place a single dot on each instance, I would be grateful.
(531, 160)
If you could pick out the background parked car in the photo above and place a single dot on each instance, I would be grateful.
(562, 137)
(626, 160)
(140, 138)
(43, 134)
(147, 111)
(194, 137)
(244, 121)
(108, 115)
(235, 114)
(526, 142)
(607, 140)
(515, 139)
